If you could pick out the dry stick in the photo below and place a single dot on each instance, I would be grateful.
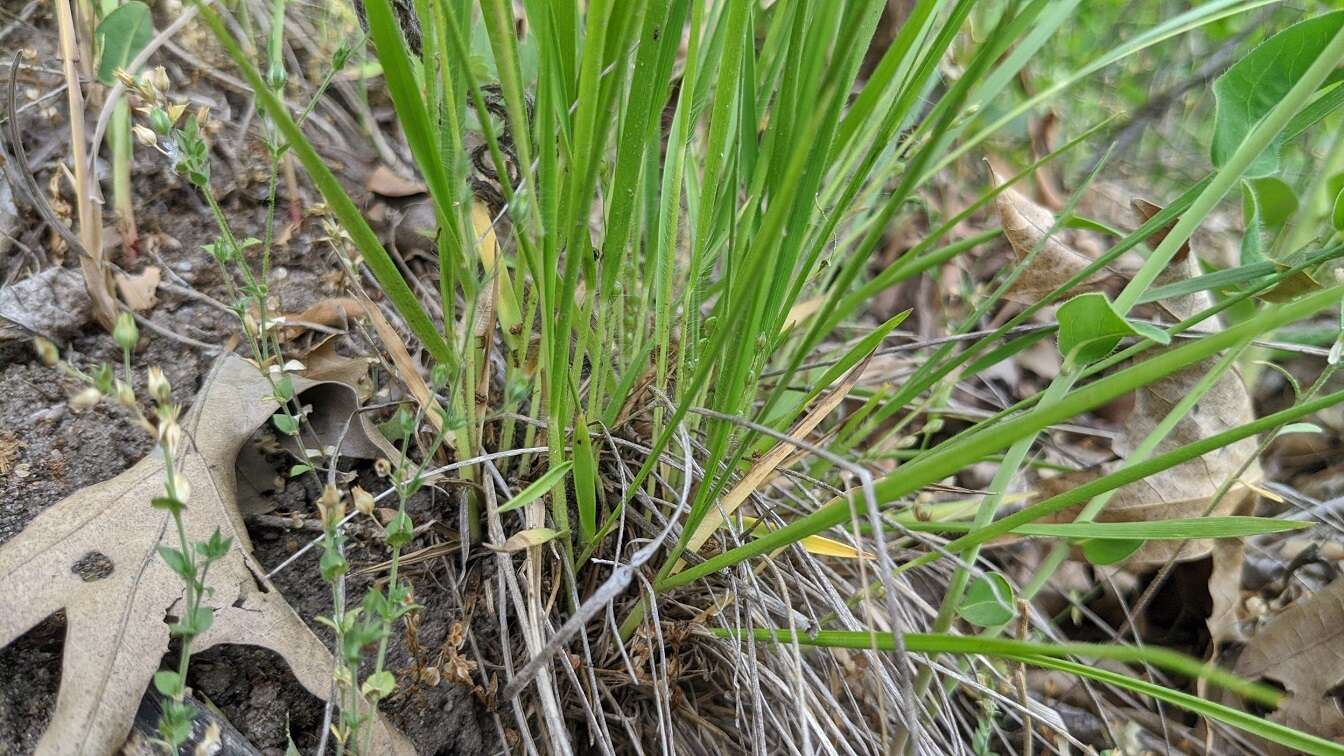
(531, 630)
(614, 586)
(90, 217)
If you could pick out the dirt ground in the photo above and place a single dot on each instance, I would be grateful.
(49, 451)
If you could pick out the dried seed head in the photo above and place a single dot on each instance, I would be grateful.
(158, 79)
(46, 351)
(85, 399)
(363, 500)
(158, 384)
(382, 467)
(331, 506)
(170, 436)
(125, 395)
(145, 135)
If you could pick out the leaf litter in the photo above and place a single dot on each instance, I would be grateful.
(94, 556)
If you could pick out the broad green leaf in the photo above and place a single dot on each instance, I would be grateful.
(538, 488)
(380, 683)
(168, 683)
(286, 424)
(1337, 215)
(585, 480)
(1267, 204)
(1089, 328)
(177, 562)
(990, 601)
(122, 34)
(1103, 552)
(1248, 90)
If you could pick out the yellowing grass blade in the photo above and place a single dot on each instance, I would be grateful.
(819, 545)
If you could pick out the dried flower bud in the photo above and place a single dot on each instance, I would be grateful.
(382, 467)
(125, 396)
(145, 135)
(331, 506)
(363, 500)
(159, 387)
(46, 351)
(85, 399)
(125, 331)
(170, 436)
(158, 79)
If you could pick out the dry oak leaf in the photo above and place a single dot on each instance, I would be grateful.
(1025, 224)
(1303, 649)
(117, 617)
(1187, 489)
(139, 290)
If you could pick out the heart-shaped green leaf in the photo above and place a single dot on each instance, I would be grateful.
(990, 601)
(1248, 90)
(122, 34)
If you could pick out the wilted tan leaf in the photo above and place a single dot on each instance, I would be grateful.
(526, 539)
(819, 545)
(1187, 489)
(118, 616)
(1026, 224)
(1303, 649)
(335, 312)
(139, 290)
(407, 368)
(387, 183)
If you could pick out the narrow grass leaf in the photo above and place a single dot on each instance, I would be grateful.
(538, 488)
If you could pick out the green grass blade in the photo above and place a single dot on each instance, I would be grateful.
(380, 263)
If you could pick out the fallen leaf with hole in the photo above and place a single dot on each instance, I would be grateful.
(94, 556)
(1185, 490)
(1303, 650)
(139, 290)
(52, 303)
(1026, 225)
(332, 388)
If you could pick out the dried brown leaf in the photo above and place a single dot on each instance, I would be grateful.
(1185, 490)
(118, 620)
(1303, 649)
(139, 290)
(1026, 224)
(387, 183)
